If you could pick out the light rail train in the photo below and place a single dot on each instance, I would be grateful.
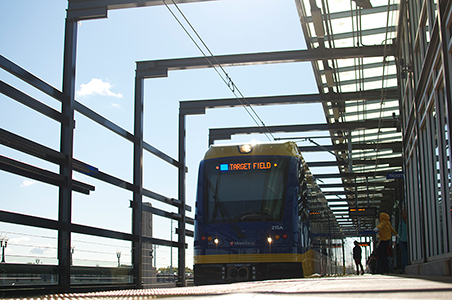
(258, 215)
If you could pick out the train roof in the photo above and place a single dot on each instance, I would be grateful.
(287, 148)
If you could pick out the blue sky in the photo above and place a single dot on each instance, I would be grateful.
(32, 36)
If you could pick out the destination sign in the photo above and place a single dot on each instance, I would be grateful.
(362, 212)
(245, 166)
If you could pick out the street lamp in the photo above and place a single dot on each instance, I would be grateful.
(118, 255)
(4, 242)
(72, 254)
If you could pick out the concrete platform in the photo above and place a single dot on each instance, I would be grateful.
(346, 287)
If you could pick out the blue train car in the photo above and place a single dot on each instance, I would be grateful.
(252, 217)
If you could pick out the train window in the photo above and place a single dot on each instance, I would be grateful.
(302, 195)
(301, 171)
(245, 193)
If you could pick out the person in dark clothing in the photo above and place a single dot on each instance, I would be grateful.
(357, 258)
(372, 263)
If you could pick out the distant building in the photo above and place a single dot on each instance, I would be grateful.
(149, 274)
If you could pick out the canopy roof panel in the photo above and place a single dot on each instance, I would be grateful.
(364, 156)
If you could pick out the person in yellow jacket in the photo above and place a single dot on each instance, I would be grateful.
(385, 231)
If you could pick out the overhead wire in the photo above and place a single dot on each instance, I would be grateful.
(226, 78)
(23, 248)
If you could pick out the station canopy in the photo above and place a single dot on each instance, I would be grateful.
(363, 118)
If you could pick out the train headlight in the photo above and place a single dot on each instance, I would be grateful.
(246, 148)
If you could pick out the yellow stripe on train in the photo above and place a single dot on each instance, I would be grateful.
(307, 259)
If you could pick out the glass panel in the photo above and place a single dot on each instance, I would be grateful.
(443, 175)
(28, 256)
(435, 185)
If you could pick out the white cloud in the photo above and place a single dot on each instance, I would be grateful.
(27, 182)
(42, 249)
(97, 87)
(19, 240)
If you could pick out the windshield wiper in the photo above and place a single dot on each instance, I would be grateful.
(254, 216)
(219, 206)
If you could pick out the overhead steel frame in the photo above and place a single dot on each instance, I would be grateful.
(424, 69)
(199, 107)
(81, 10)
(87, 10)
(395, 147)
(226, 133)
(159, 68)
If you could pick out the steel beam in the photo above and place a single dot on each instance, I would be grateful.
(27, 220)
(87, 112)
(353, 200)
(22, 144)
(32, 103)
(22, 169)
(31, 79)
(367, 32)
(189, 233)
(95, 9)
(352, 175)
(182, 194)
(396, 147)
(139, 144)
(365, 80)
(102, 232)
(266, 58)
(394, 162)
(226, 133)
(199, 106)
(360, 193)
(66, 148)
(385, 183)
(169, 215)
(27, 146)
(137, 207)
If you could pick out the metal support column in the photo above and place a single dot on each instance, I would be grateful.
(181, 158)
(343, 257)
(422, 216)
(66, 148)
(137, 203)
(443, 8)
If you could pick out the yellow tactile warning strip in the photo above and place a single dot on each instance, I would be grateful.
(143, 294)
(315, 287)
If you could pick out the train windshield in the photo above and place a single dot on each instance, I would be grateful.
(245, 191)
